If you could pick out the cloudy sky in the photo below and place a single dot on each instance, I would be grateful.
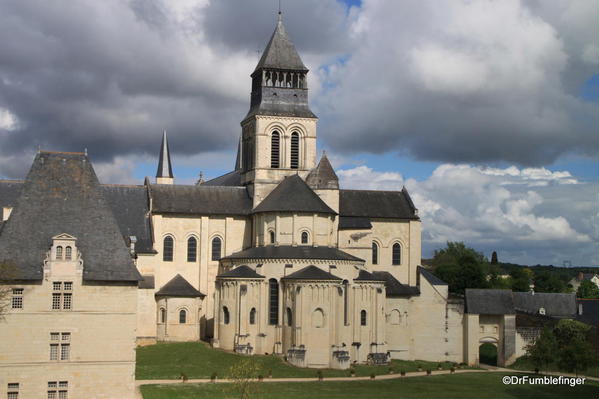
(487, 111)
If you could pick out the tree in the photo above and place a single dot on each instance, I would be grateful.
(548, 282)
(575, 352)
(542, 351)
(587, 290)
(460, 266)
(520, 279)
(494, 260)
(7, 273)
(244, 378)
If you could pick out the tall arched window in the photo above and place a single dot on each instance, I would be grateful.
(345, 302)
(167, 249)
(162, 315)
(395, 317)
(68, 253)
(305, 237)
(294, 150)
(226, 315)
(271, 235)
(192, 249)
(182, 316)
(289, 317)
(253, 316)
(363, 318)
(59, 252)
(216, 248)
(318, 318)
(396, 254)
(375, 253)
(273, 301)
(275, 142)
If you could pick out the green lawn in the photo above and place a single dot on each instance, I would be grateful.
(198, 360)
(458, 386)
(523, 363)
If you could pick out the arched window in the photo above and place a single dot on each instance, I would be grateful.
(305, 237)
(318, 318)
(192, 249)
(59, 252)
(345, 302)
(375, 253)
(274, 150)
(271, 235)
(253, 316)
(395, 317)
(167, 249)
(226, 316)
(294, 150)
(68, 253)
(182, 316)
(216, 248)
(363, 318)
(396, 254)
(162, 315)
(289, 317)
(273, 301)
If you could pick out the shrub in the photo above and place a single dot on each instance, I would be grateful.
(390, 370)
(213, 376)
(319, 375)
(428, 372)
(269, 373)
(260, 377)
(372, 376)
(452, 370)
(439, 366)
(419, 367)
(352, 372)
(403, 373)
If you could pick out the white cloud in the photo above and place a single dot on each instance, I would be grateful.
(8, 121)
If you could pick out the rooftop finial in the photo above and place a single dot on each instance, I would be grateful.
(280, 16)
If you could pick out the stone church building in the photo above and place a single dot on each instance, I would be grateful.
(272, 258)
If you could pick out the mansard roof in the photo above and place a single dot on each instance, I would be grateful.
(280, 53)
(231, 179)
(293, 195)
(489, 301)
(130, 207)
(61, 194)
(323, 176)
(377, 204)
(311, 273)
(200, 200)
(164, 160)
(554, 304)
(393, 287)
(430, 277)
(241, 272)
(179, 287)
(294, 252)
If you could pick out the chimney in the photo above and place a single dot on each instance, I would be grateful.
(580, 276)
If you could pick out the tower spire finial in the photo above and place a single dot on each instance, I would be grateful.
(164, 174)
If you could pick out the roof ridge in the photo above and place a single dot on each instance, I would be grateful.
(62, 152)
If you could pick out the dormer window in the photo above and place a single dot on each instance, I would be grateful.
(64, 247)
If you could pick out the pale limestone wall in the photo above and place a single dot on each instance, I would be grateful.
(386, 232)
(146, 317)
(526, 336)
(471, 339)
(288, 228)
(171, 329)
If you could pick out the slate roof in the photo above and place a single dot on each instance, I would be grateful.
(280, 53)
(430, 277)
(377, 204)
(147, 282)
(61, 194)
(231, 179)
(311, 273)
(590, 311)
(323, 176)
(293, 195)
(240, 272)
(555, 305)
(483, 301)
(10, 190)
(130, 207)
(393, 287)
(354, 223)
(294, 252)
(200, 200)
(164, 163)
(363, 275)
(179, 287)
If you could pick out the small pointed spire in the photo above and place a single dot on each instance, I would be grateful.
(239, 159)
(201, 179)
(165, 169)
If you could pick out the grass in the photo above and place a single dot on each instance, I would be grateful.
(458, 386)
(198, 360)
(524, 363)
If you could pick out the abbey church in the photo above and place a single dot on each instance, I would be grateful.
(272, 258)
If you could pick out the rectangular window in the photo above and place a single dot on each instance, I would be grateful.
(62, 295)
(60, 346)
(65, 351)
(17, 298)
(12, 390)
(56, 301)
(57, 286)
(58, 390)
(68, 286)
(66, 303)
(53, 352)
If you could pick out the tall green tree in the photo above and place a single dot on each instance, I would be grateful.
(542, 351)
(494, 260)
(587, 290)
(548, 282)
(520, 278)
(460, 266)
(575, 353)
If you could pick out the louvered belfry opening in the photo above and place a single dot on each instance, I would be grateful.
(275, 142)
(294, 150)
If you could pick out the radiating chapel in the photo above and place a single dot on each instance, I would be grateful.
(272, 258)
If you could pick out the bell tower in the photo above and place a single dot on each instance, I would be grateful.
(278, 135)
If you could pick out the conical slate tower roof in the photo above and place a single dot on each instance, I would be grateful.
(280, 53)
(323, 176)
(164, 164)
